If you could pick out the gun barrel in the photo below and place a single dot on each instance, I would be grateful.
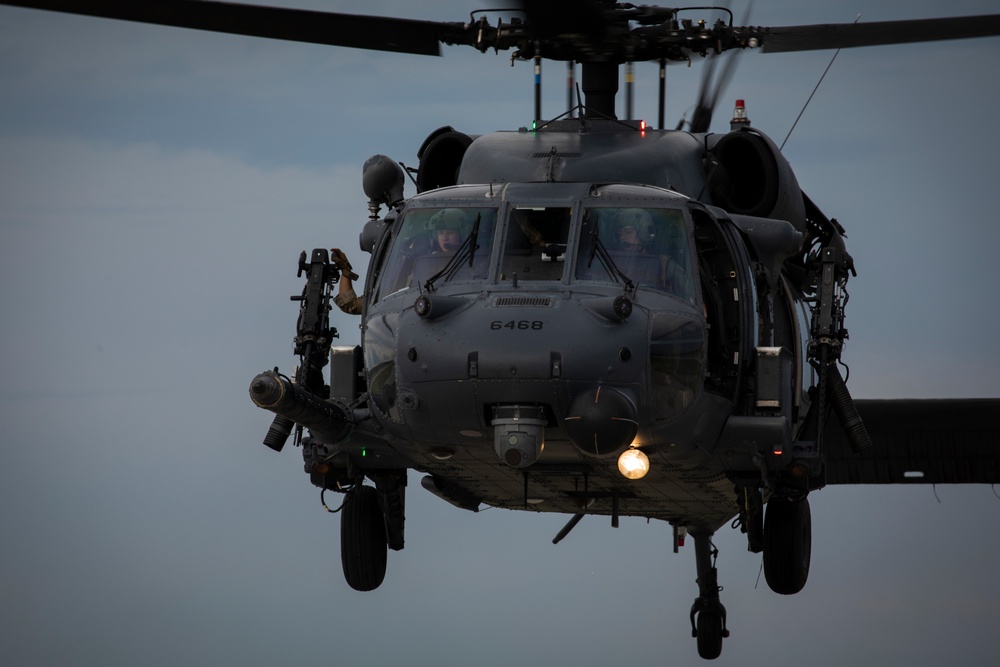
(273, 392)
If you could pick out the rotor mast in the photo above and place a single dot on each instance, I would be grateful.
(600, 88)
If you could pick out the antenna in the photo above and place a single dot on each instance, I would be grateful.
(829, 65)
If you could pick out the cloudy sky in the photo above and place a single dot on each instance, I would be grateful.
(156, 187)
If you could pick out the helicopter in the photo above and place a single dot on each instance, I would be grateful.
(582, 488)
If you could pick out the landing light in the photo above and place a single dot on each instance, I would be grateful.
(422, 305)
(633, 464)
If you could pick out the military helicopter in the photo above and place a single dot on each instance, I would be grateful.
(707, 343)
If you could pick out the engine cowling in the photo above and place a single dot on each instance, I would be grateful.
(747, 174)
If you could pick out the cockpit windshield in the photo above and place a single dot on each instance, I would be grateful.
(649, 245)
(427, 239)
(535, 247)
(645, 246)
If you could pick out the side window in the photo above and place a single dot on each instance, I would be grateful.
(649, 245)
(427, 240)
(535, 247)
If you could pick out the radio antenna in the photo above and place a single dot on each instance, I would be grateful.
(836, 53)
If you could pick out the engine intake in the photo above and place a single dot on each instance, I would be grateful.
(440, 158)
(748, 175)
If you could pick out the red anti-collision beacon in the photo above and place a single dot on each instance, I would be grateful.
(739, 116)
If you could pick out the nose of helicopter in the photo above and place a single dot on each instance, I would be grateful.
(543, 313)
(573, 373)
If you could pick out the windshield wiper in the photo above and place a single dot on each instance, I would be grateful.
(473, 237)
(598, 248)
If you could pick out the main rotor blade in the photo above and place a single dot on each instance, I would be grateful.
(848, 35)
(297, 25)
(595, 31)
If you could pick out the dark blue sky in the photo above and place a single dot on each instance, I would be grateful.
(156, 187)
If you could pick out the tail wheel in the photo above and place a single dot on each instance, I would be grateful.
(363, 544)
(787, 545)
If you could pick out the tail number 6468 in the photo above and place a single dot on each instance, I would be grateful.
(523, 325)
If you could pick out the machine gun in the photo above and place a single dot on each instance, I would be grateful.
(304, 399)
(826, 344)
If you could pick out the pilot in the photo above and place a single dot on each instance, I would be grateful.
(447, 226)
(635, 230)
(636, 234)
(347, 300)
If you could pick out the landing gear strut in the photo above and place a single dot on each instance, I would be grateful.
(708, 616)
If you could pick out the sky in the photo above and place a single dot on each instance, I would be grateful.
(156, 188)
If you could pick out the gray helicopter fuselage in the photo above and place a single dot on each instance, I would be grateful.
(602, 151)
(530, 327)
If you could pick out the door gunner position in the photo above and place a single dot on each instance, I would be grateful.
(347, 300)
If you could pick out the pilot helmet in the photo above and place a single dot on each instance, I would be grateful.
(640, 220)
(448, 218)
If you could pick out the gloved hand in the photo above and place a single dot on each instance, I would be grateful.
(340, 260)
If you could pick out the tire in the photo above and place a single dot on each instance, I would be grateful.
(363, 545)
(709, 634)
(787, 545)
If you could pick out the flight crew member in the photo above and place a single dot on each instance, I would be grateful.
(447, 226)
(635, 230)
(636, 233)
(347, 300)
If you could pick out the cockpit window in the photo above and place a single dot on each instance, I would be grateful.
(649, 245)
(535, 247)
(426, 239)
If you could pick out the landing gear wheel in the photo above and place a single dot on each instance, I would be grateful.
(787, 545)
(710, 633)
(363, 545)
